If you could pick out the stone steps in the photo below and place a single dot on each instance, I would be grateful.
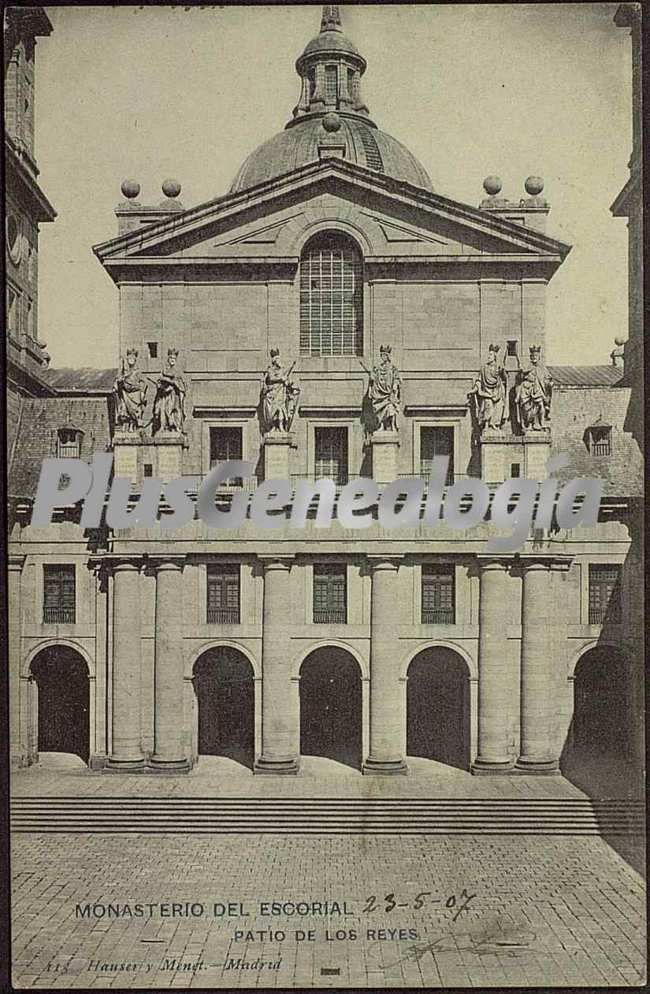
(332, 816)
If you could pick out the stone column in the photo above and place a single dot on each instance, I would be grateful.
(280, 701)
(387, 697)
(126, 749)
(19, 745)
(169, 752)
(536, 750)
(493, 669)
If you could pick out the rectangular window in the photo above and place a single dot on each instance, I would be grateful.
(331, 85)
(515, 470)
(438, 595)
(436, 442)
(148, 469)
(153, 349)
(59, 594)
(331, 297)
(226, 446)
(223, 594)
(512, 347)
(330, 594)
(604, 594)
(332, 454)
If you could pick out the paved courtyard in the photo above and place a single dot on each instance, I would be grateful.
(369, 910)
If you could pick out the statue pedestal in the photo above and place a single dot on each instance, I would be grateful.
(277, 455)
(385, 447)
(506, 456)
(125, 454)
(537, 451)
(168, 448)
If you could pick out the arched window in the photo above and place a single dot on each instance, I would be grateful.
(331, 296)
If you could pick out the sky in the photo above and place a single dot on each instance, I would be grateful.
(472, 90)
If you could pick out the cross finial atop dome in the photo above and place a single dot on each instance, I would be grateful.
(331, 19)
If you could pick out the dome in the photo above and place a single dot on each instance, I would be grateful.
(298, 144)
(330, 41)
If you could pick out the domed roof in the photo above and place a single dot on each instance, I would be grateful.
(298, 145)
(330, 41)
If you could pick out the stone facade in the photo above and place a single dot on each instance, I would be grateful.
(324, 630)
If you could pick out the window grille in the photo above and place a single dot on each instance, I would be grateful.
(330, 594)
(604, 594)
(438, 595)
(69, 443)
(332, 454)
(436, 442)
(59, 594)
(331, 297)
(223, 594)
(601, 441)
(226, 446)
(331, 85)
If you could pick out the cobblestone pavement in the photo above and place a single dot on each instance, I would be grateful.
(499, 912)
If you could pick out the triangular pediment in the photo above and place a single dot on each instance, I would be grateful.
(270, 222)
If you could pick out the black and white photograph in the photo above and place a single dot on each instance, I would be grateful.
(324, 370)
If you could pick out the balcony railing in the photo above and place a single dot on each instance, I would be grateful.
(439, 616)
(223, 615)
(58, 615)
(334, 617)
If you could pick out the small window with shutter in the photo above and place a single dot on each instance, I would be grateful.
(59, 594)
(438, 595)
(223, 594)
(604, 593)
(330, 594)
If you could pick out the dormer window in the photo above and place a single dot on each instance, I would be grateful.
(599, 440)
(69, 443)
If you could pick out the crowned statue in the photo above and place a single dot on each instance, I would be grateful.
(279, 396)
(488, 395)
(130, 393)
(383, 399)
(533, 394)
(169, 402)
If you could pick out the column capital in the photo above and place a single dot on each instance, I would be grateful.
(560, 563)
(15, 562)
(487, 562)
(115, 563)
(161, 562)
(387, 562)
(276, 562)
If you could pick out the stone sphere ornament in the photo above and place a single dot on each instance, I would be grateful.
(130, 189)
(331, 122)
(619, 340)
(492, 185)
(171, 187)
(534, 186)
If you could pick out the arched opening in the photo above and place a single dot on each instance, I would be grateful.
(330, 706)
(331, 296)
(224, 685)
(63, 724)
(438, 707)
(600, 715)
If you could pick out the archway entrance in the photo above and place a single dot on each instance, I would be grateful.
(330, 706)
(225, 691)
(438, 707)
(600, 716)
(61, 678)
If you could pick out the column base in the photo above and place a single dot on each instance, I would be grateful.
(488, 768)
(280, 765)
(97, 761)
(124, 765)
(384, 767)
(538, 767)
(169, 766)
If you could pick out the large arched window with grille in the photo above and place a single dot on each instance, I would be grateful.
(331, 296)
